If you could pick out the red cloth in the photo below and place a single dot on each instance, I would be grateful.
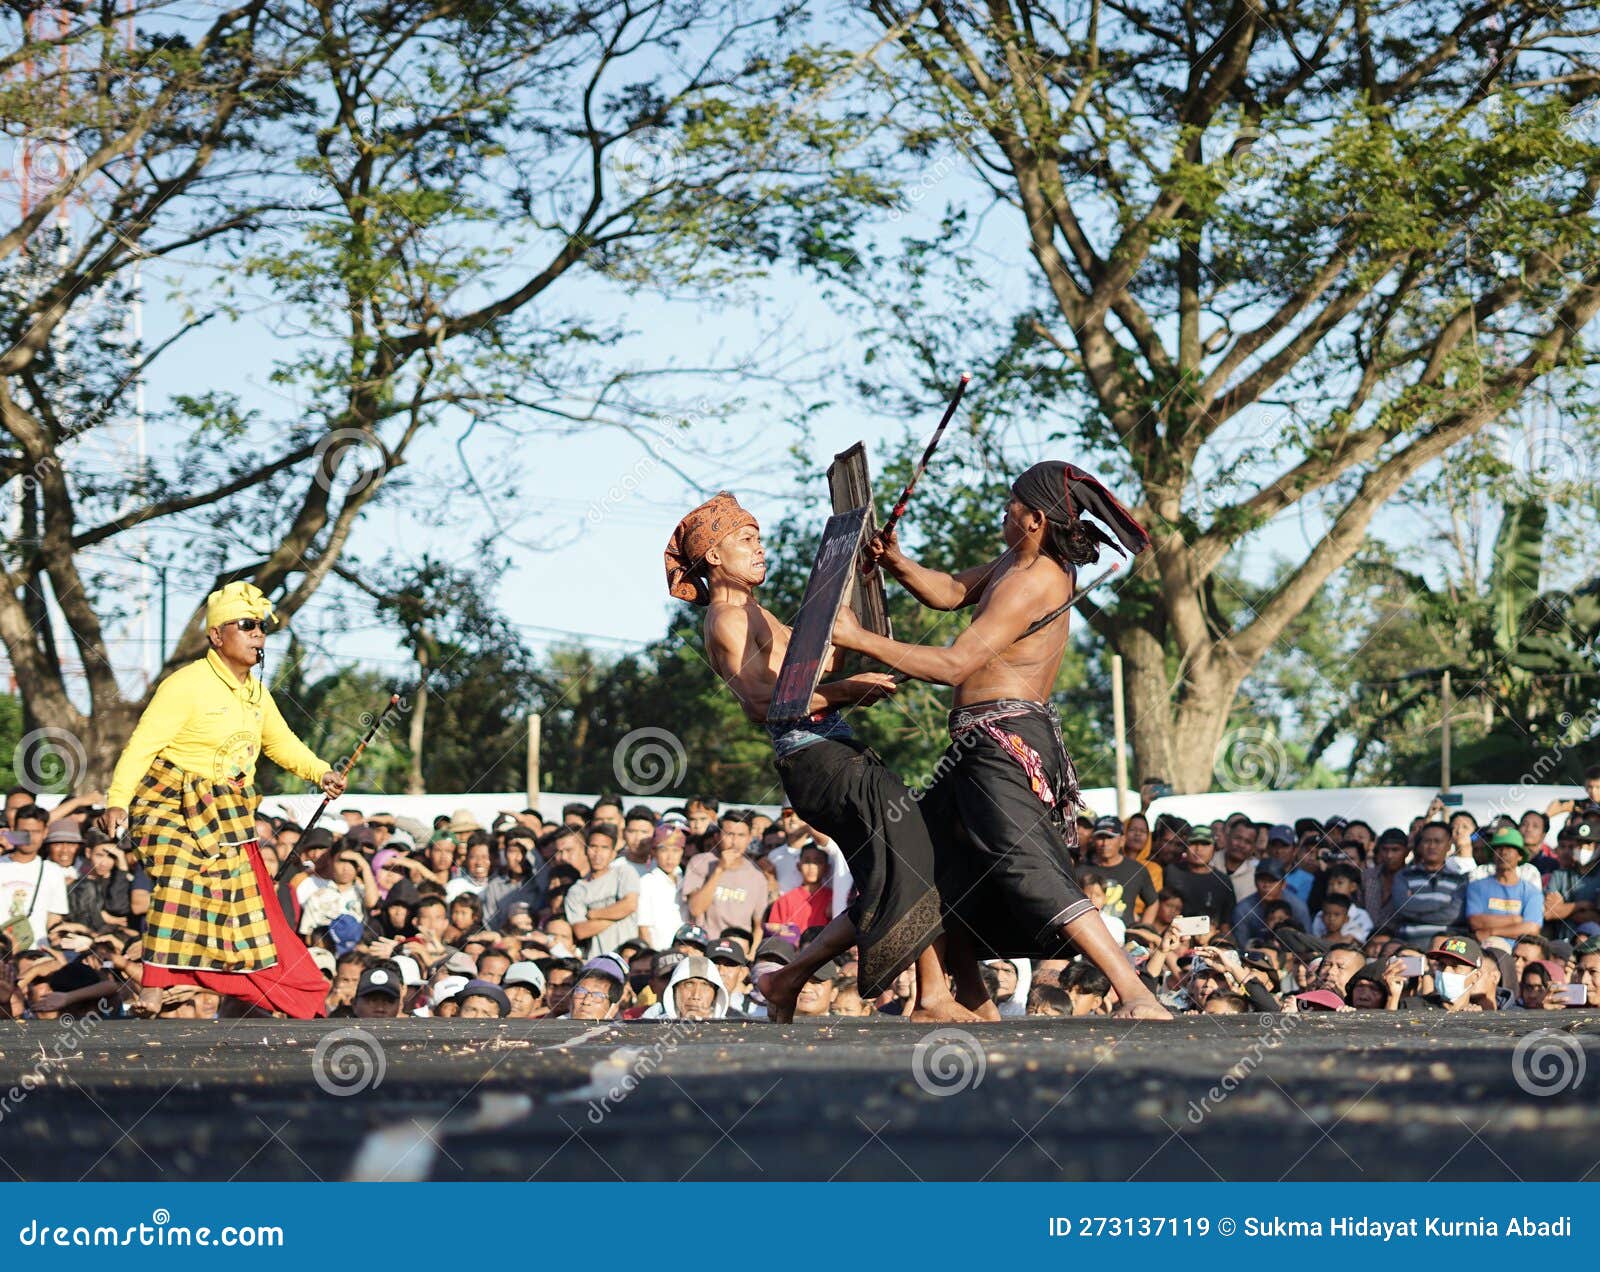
(800, 909)
(293, 985)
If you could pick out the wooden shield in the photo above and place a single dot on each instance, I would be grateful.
(850, 485)
(811, 638)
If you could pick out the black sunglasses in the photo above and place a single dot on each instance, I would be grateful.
(253, 624)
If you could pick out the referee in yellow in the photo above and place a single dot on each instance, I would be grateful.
(185, 786)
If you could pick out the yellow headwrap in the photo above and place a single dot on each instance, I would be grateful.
(236, 600)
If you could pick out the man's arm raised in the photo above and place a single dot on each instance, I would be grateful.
(1013, 602)
(934, 588)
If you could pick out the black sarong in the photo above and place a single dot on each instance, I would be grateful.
(843, 789)
(1006, 791)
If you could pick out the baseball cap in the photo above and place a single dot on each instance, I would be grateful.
(725, 951)
(1586, 828)
(524, 973)
(1269, 867)
(666, 962)
(489, 990)
(1325, 999)
(410, 970)
(1304, 826)
(346, 933)
(606, 965)
(1200, 835)
(692, 934)
(776, 950)
(446, 988)
(1460, 949)
(668, 834)
(827, 972)
(1509, 838)
(324, 960)
(460, 964)
(1108, 826)
(1299, 942)
(316, 837)
(378, 980)
(1283, 833)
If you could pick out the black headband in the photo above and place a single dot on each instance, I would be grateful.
(1061, 491)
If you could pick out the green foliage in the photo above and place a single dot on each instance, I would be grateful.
(11, 729)
(1249, 266)
(1523, 661)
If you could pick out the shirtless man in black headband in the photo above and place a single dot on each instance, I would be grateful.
(1007, 777)
(715, 559)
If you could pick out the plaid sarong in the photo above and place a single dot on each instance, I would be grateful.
(190, 834)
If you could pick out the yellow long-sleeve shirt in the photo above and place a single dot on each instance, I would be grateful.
(207, 721)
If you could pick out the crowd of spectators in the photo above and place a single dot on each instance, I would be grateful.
(625, 912)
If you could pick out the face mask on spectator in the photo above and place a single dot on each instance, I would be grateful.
(1583, 856)
(1451, 984)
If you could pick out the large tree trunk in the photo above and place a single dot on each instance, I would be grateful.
(1176, 735)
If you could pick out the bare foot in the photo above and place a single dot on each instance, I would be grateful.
(945, 1011)
(1143, 1008)
(781, 989)
(148, 1005)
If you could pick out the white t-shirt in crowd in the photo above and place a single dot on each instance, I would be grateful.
(25, 889)
(323, 900)
(659, 908)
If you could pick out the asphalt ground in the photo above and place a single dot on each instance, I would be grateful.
(1369, 1096)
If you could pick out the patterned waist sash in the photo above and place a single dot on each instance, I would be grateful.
(191, 835)
(988, 719)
